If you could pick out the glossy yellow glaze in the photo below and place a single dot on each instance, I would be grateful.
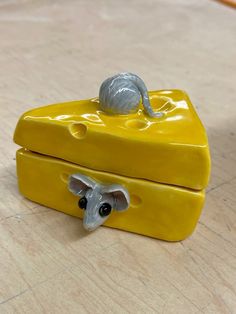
(156, 210)
(172, 149)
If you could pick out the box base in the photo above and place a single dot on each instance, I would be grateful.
(156, 210)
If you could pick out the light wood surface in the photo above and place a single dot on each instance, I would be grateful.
(53, 51)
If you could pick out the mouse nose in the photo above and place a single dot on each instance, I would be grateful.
(89, 227)
(89, 222)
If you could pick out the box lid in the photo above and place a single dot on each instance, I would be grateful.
(172, 149)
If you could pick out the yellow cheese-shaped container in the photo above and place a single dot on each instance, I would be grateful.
(163, 163)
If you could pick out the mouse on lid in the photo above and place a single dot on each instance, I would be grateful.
(121, 94)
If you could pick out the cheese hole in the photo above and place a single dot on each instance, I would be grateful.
(135, 200)
(78, 130)
(64, 177)
(136, 124)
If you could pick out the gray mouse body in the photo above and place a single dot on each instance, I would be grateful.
(121, 94)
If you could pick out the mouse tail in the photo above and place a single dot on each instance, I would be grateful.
(144, 93)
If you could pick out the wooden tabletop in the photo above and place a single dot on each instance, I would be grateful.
(54, 51)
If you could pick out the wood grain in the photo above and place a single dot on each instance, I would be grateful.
(53, 51)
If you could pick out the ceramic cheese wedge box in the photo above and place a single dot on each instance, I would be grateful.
(137, 164)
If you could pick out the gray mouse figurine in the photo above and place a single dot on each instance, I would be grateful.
(121, 94)
(97, 200)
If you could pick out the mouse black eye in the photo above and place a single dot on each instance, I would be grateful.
(105, 210)
(82, 202)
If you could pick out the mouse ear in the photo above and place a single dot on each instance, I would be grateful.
(79, 183)
(120, 195)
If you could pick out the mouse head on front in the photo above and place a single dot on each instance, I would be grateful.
(97, 200)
